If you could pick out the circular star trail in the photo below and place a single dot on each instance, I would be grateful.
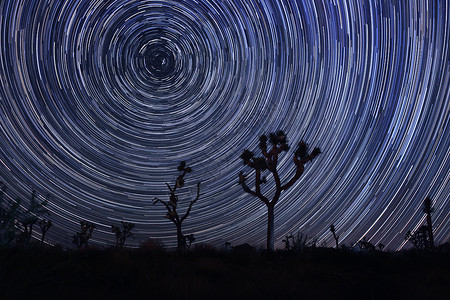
(100, 101)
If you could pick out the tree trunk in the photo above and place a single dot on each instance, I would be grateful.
(270, 228)
(430, 230)
(180, 242)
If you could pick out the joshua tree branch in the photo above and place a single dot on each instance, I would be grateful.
(277, 179)
(258, 187)
(180, 177)
(250, 164)
(275, 152)
(247, 189)
(258, 182)
(265, 153)
(170, 189)
(156, 200)
(250, 191)
(192, 203)
(298, 171)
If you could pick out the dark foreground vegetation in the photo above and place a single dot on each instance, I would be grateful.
(204, 273)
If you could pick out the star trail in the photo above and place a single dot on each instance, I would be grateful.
(101, 100)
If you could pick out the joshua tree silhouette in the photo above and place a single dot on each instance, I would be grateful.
(336, 237)
(45, 225)
(428, 210)
(122, 234)
(171, 207)
(9, 214)
(298, 242)
(419, 238)
(82, 238)
(12, 218)
(31, 216)
(269, 161)
(422, 238)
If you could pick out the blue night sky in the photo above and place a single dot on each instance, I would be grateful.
(100, 101)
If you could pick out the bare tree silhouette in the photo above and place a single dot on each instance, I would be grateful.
(269, 161)
(171, 207)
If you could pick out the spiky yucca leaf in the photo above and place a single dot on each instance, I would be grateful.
(263, 142)
(281, 136)
(302, 150)
(170, 215)
(284, 146)
(246, 156)
(273, 139)
(263, 138)
(182, 166)
(316, 151)
(260, 163)
(427, 206)
(332, 228)
(180, 182)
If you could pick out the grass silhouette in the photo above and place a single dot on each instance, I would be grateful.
(320, 273)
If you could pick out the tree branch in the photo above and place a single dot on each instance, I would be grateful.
(298, 172)
(265, 153)
(170, 189)
(192, 203)
(156, 200)
(245, 186)
(258, 194)
(179, 178)
(272, 158)
(258, 182)
(277, 179)
(251, 164)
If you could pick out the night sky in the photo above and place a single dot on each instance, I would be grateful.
(101, 100)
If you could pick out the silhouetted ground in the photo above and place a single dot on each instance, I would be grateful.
(319, 273)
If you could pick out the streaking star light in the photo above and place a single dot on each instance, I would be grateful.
(101, 100)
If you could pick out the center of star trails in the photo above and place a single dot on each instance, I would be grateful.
(160, 61)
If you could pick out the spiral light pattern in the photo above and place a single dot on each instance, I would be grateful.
(100, 101)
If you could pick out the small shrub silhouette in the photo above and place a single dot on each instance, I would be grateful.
(298, 243)
(153, 245)
(365, 244)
